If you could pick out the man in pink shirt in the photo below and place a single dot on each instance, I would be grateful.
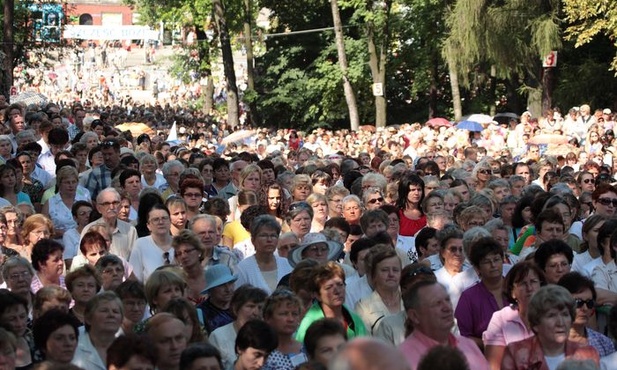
(429, 308)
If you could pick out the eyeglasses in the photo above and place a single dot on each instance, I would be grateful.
(44, 233)
(192, 195)
(373, 201)
(182, 253)
(20, 275)
(318, 249)
(158, 220)
(110, 270)
(590, 303)
(607, 202)
(268, 236)
(587, 181)
(115, 203)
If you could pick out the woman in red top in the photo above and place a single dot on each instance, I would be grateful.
(411, 193)
(294, 141)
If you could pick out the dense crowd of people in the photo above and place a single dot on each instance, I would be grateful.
(416, 247)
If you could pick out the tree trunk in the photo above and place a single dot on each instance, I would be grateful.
(548, 78)
(207, 88)
(456, 92)
(378, 73)
(493, 89)
(248, 44)
(350, 96)
(6, 80)
(233, 118)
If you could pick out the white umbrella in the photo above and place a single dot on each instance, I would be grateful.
(30, 97)
(480, 118)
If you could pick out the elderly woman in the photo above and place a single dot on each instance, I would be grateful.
(551, 312)
(411, 214)
(433, 203)
(103, 317)
(584, 293)
(48, 262)
(14, 223)
(383, 267)
(9, 186)
(477, 304)
(470, 217)
(327, 284)
(246, 304)
(264, 269)
(482, 173)
(155, 250)
(352, 209)
(451, 253)
(14, 317)
(510, 324)
(17, 273)
(189, 252)
(149, 177)
(35, 228)
(373, 198)
(59, 206)
(301, 188)
(299, 219)
(250, 179)
(5, 148)
(83, 284)
(335, 197)
(319, 204)
(133, 298)
(55, 335)
(554, 257)
(162, 286)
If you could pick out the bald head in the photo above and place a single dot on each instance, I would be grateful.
(369, 354)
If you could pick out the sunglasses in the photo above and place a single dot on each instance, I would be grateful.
(485, 172)
(590, 303)
(373, 201)
(606, 202)
(109, 144)
(587, 181)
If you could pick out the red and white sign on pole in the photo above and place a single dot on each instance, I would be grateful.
(13, 91)
(550, 61)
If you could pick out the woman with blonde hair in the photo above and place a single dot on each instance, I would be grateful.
(59, 206)
(177, 212)
(149, 178)
(250, 179)
(36, 227)
(319, 204)
(301, 188)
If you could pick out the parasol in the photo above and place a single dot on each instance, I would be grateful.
(136, 128)
(238, 136)
(438, 122)
(470, 126)
(480, 118)
(30, 97)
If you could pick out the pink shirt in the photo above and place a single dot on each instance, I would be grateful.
(418, 344)
(504, 328)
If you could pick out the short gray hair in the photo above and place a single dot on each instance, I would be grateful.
(264, 221)
(15, 262)
(108, 190)
(168, 166)
(546, 298)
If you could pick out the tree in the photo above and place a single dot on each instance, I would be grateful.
(7, 55)
(589, 19)
(350, 96)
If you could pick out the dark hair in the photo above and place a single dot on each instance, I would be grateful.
(576, 282)
(217, 207)
(78, 204)
(9, 299)
(128, 173)
(131, 289)
(250, 214)
(423, 237)
(48, 323)
(360, 245)
(319, 329)
(128, 160)
(42, 250)
(244, 294)
(550, 248)
(517, 273)
(517, 217)
(256, 334)
(483, 247)
(550, 216)
(91, 238)
(126, 346)
(338, 223)
(147, 202)
(608, 230)
(218, 163)
(58, 136)
(443, 357)
(81, 272)
(4, 168)
(199, 350)
(403, 189)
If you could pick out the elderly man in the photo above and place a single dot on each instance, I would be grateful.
(100, 177)
(368, 354)
(430, 311)
(172, 171)
(205, 228)
(123, 233)
(169, 339)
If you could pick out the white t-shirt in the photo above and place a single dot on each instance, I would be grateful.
(553, 361)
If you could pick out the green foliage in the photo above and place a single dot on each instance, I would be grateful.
(590, 19)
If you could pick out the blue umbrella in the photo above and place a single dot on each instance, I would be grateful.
(470, 126)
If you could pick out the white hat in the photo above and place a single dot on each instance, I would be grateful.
(607, 111)
(310, 239)
(182, 130)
